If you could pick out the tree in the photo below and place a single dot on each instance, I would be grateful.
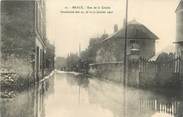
(72, 62)
(60, 63)
(90, 53)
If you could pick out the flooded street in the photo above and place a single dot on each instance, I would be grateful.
(65, 95)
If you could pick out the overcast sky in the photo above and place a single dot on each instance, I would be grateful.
(68, 30)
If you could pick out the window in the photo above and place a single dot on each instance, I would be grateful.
(132, 41)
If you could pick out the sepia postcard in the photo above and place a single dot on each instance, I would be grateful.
(91, 58)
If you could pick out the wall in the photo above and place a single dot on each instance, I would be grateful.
(17, 36)
(147, 48)
(179, 30)
(108, 71)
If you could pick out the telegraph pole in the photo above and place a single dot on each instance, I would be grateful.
(125, 47)
(125, 59)
(79, 49)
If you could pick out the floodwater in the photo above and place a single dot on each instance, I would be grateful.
(65, 95)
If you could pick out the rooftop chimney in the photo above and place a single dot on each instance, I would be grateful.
(115, 28)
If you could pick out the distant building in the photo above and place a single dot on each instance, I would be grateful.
(23, 36)
(141, 41)
(179, 28)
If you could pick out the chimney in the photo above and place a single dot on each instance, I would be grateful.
(115, 28)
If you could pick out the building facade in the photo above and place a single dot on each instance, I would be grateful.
(179, 28)
(140, 41)
(23, 37)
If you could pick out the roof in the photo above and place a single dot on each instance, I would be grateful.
(178, 42)
(135, 31)
(180, 6)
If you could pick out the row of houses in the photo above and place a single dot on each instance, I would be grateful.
(25, 48)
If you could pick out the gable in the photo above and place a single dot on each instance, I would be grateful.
(180, 6)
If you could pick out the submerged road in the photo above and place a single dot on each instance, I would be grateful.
(68, 95)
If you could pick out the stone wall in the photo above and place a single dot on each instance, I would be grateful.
(21, 66)
(18, 36)
(17, 28)
(108, 71)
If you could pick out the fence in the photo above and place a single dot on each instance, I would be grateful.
(174, 66)
(167, 72)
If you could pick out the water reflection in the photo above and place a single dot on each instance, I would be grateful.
(79, 80)
(29, 103)
(68, 95)
(139, 103)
